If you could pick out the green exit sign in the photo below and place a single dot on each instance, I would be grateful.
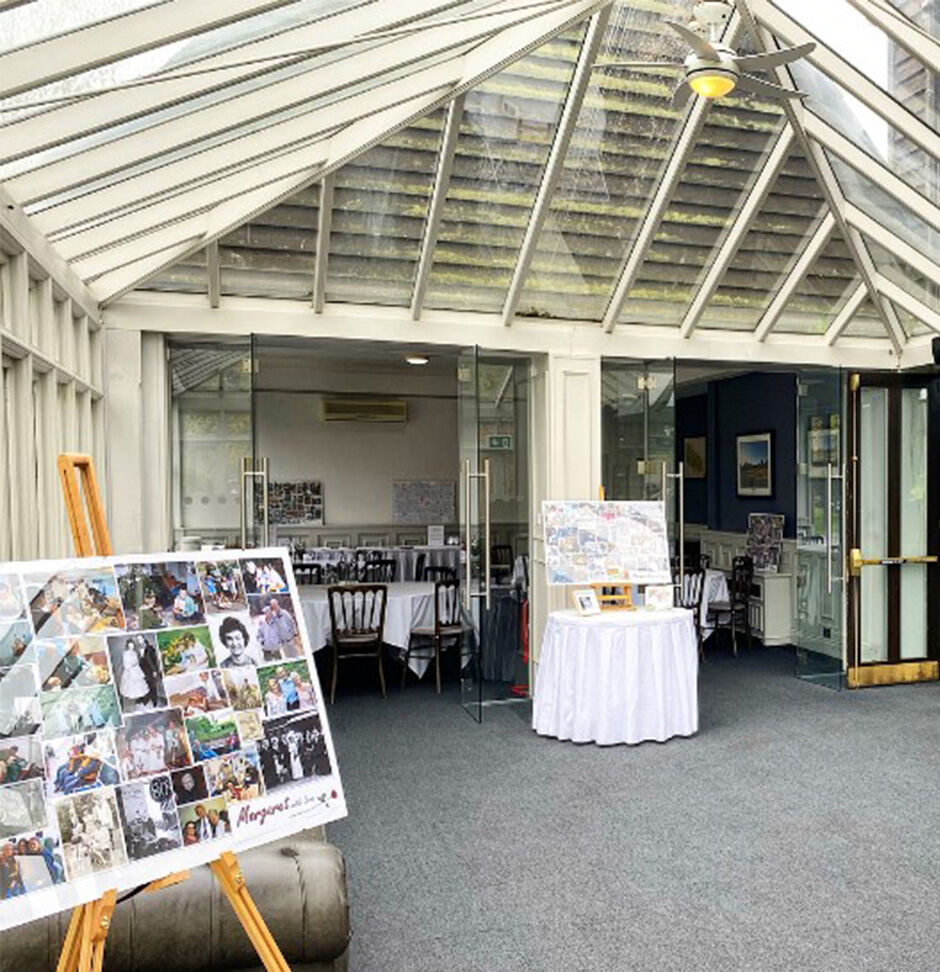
(500, 442)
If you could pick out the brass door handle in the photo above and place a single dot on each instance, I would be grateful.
(857, 561)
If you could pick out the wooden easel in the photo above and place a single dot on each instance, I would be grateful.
(620, 597)
(83, 949)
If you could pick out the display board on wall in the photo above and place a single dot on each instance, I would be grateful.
(155, 711)
(295, 503)
(765, 540)
(423, 502)
(592, 542)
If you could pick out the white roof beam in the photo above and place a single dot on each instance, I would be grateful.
(253, 106)
(96, 111)
(871, 168)
(688, 136)
(19, 227)
(213, 274)
(827, 181)
(556, 159)
(845, 316)
(814, 247)
(112, 40)
(892, 242)
(324, 228)
(899, 28)
(843, 73)
(756, 196)
(898, 295)
(485, 60)
(10, 4)
(445, 166)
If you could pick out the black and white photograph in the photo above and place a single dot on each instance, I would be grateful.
(72, 662)
(293, 749)
(250, 725)
(189, 785)
(233, 641)
(274, 626)
(90, 828)
(22, 808)
(135, 663)
(151, 743)
(76, 763)
(241, 686)
(149, 818)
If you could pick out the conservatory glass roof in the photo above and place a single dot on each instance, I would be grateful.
(476, 155)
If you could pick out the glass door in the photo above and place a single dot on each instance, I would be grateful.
(895, 570)
(820, 581)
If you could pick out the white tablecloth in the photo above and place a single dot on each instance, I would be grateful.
(716, 590)
(408, 606)
(406, 558)
(617, 677)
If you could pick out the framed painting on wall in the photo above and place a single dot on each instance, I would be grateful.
(694, 457)
(755, 471)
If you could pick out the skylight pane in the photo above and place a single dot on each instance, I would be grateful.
(866, 323)
(506, 133)
(623, 138)
(847, 32)
(924, 13)
(829, 283)
(780, 231)
(380, 207)
(911, 325)
(727, 159)
(917, 284)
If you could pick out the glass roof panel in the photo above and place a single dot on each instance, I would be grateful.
(885, 209)
(871, 51)
(380, 206)
(924, 13)
(790, 215)
(866, 323)
(870, 132)
(622, 140)
(728, 157)
(918, 285)
(506, 134)
(912, 326)
(830, 281)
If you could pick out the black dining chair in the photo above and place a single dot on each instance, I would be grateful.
(436, 572)
(308, 573)
(447, 630)
(420, 561)
(378, 571)
(501, 562)
(735, 613)
(690, 589)
(357, 622)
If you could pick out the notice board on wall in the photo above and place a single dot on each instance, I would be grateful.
(155, 711)
(596, 542)
(422, 502)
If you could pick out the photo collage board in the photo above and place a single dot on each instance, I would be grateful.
(155, 711)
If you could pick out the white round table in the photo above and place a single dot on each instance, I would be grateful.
(617, 677)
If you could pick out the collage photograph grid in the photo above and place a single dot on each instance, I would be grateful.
(139, 704)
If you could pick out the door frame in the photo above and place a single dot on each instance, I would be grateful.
(894, 670)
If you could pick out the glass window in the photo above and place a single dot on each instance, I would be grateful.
(924, 13)
(506, 133)
(866, 323)
(927, 291)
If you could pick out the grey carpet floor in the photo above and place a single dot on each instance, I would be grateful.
(799, 830)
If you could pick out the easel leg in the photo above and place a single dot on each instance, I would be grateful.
(68, 959)
(83, 950)
(229, 875)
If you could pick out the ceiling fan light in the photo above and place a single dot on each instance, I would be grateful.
(710, 84)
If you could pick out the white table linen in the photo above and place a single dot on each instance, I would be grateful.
(406, 558)
(716, 591)
(408, 605)
(617, 677)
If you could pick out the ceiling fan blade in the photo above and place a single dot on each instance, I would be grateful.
(635, 65)
(681, 95)
(772, 59)
(756, 86)
(697, 43)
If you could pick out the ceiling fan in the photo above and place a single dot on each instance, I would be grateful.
(713, 69)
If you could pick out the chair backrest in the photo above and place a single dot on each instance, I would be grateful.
(420, 561)
(704, 561)
(378, 571)
(436, 572)
(742, 578)
(446, 603)
(690, 588)
(501, 555)
(357, 609)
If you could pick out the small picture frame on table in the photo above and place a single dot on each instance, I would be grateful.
(585, 601)
(659, 597)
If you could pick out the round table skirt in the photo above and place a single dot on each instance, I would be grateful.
(617, 678)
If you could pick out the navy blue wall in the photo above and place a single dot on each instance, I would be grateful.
(759, 402)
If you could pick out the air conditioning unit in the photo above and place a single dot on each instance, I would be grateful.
(364, 410)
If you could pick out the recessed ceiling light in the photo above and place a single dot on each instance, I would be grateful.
(416, 359)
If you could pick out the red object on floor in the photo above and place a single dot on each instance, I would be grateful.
(523, 690)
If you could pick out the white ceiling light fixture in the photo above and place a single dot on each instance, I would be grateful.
(712, 69)
(416, 359)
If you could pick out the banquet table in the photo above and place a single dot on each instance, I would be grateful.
(408, 605)
(617, 677)
(406, 558)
